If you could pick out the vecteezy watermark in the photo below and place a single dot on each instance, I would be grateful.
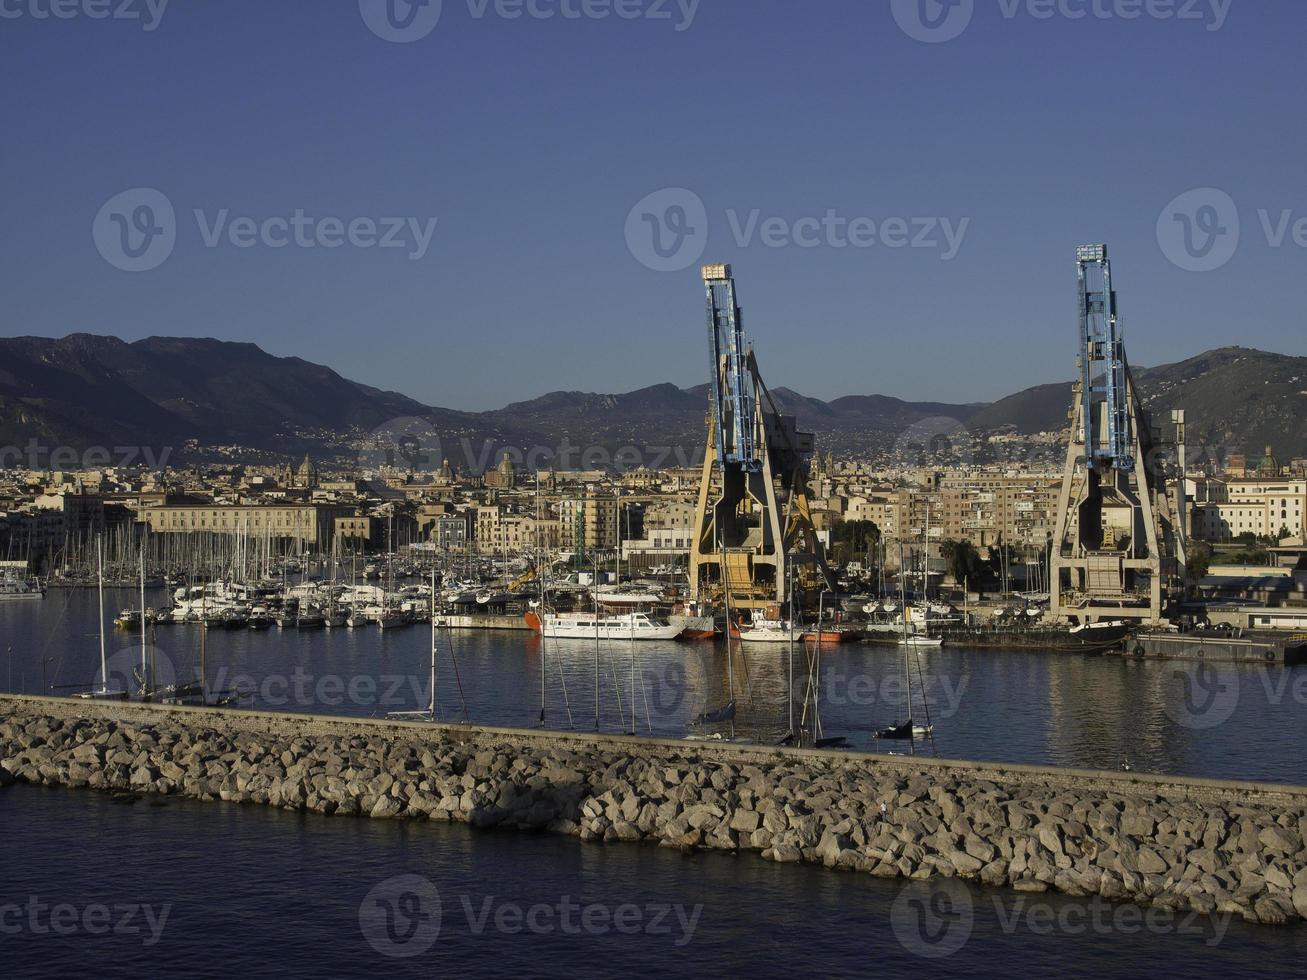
(136, 230)
(406, 21)
(1211, 14)
(935, 441)
(668, 230)
(669, 693)
(147, 12)
(942, 693)
(136, 670)
(936, 21)
(833, 230)
(1099, 917)
(1199, 695)
(38, 456)
(1202, 695)
(401, 21)
(302, 689)
(933, 21)
(93, 919)
(401, 917)
(412, 444)
(407, 445)
(1200, 230)
(935, 918)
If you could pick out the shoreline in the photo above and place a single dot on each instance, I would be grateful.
(1206, 845)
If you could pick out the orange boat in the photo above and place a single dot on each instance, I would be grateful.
(829, 634)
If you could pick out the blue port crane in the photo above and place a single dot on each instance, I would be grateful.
(733, 391)
(1104, 372)
(753, 520)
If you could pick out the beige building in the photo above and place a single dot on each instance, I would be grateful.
(1265, 507)
(500, 530)
(670, 513)
(885, 511)
(310, 524)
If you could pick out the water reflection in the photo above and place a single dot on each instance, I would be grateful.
(1094, 712)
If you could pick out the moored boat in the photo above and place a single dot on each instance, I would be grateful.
(586, 626)
(830, 634)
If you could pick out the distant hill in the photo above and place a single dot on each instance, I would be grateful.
(85, 390)
(1235, 400)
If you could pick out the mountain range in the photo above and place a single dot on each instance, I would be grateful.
(86, 390)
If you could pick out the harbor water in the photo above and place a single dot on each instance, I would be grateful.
(207, 889)
(194, 888)
(1101, 712)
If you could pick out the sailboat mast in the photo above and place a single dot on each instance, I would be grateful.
(543, 641)
(816, 674)
(903, 619)
(99, 565)
(432, 707)
(204, 629)
(925, 573)
(145, 678)
(789, 588)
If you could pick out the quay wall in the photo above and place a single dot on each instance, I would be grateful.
(1212, 846)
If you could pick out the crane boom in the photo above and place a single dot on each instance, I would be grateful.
(1103, 368)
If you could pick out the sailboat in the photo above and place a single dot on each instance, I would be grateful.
(923, 639)
(920, 640)
(906, 730)
(430, 713)
(103, 692)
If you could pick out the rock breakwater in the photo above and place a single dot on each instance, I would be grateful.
(1199, 845)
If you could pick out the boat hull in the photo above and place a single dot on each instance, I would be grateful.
(694, 627)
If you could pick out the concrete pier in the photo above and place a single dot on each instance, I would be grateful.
(1213, 846)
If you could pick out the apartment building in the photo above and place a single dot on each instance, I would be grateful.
(590, 522)
(499, 529)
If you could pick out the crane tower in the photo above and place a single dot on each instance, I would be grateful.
(753, 516)
(1119, 547)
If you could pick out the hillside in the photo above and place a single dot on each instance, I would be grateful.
(85, 390)
(1235, 400)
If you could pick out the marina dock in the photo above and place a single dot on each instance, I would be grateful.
(1250, 648)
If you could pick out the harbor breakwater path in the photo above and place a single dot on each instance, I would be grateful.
(1207, 846)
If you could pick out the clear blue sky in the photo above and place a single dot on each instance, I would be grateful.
(531, 140)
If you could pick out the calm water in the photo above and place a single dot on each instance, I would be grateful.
(1098, 712)
(251, 891)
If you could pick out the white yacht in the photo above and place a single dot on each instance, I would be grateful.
(586, 626)
(762, 630)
